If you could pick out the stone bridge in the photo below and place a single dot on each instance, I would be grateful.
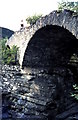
(49, 48)
(50, 42)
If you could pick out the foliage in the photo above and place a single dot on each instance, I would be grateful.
(73, 6)
(75, 94)
(9, 56)
(32, 20)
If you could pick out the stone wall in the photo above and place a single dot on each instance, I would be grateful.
(66, 19)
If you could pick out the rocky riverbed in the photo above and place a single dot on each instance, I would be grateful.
(37, 96)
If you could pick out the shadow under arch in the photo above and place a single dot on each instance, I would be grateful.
(50, 47)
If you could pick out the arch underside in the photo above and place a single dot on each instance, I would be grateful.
(50, 47)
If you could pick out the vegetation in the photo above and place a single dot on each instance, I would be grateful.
(9, 56)
(75, 94)
(74, 63)
(32, 20)
(68, 5)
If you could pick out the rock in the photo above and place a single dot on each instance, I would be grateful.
(5, 116)
(20, 102)
(20, 115)
(5, 79)
(38, 97)
(70, 112)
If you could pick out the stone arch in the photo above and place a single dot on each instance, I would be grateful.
(50, 47)
(63, 19)
(66, 19)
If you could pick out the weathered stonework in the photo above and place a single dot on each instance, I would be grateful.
(65, 20)
(46, 51)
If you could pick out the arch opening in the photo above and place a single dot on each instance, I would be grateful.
(50, 47)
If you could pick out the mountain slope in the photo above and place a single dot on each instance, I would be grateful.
(4, 32)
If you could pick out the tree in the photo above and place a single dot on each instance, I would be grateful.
(73, 6)
(32, 19)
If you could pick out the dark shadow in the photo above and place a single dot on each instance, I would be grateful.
(50, 47)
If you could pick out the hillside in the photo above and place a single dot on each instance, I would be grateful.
(4, 32)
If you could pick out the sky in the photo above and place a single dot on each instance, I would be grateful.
(13, 11)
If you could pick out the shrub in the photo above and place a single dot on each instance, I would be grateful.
(73, 6)
(9, 56)
(32, 20)
(75, 94)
